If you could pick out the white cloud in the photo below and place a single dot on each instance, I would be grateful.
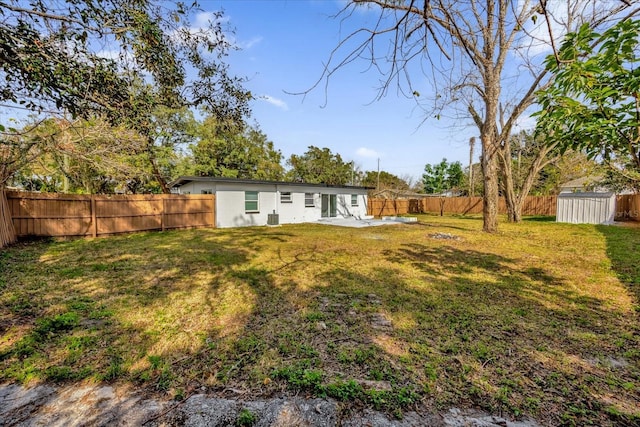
(250, 43)
(202, 19)
(525, 123)
(367, 152)
(274, 101)
(200, 27)
(121, 57)
(564, 16)
(538, 40)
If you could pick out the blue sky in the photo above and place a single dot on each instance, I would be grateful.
(284, 46)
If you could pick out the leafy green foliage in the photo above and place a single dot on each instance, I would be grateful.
(593, 104)
(246, 418)
(235, 152)
(442, 177)
(87, 59)
(53, 58)
(320, 166)
(79, 156)
(385, 180)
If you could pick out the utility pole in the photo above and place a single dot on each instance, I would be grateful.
(378, 181)
(472, 142)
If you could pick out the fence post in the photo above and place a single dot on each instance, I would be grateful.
(213, 211)
(164, 208)
(94, 216)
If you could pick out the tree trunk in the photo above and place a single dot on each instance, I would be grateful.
(154, 168)
(510, 197)
(515, 197)
(490, 147)
(442, 200)
(7, 231)
(491, 196)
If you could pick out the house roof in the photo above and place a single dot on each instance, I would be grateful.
(399, 194)
(187, 179)
(584, 181)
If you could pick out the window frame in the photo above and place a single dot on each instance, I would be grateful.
(307, 197)
(256, 201)
(354, 201)
(286, 197)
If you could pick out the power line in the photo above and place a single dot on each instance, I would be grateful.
(17, 107)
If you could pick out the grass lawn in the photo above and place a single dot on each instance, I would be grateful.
(541, 319)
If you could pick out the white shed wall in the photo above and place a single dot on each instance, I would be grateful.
(586, 208)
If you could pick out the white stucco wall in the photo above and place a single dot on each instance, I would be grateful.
(230, 202)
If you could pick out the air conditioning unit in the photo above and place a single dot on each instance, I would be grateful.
(273, 219)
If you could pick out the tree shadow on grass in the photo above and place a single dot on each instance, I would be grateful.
(125, 307)
(623, 250)
(513, 331)
(539, 218)
(443, 325)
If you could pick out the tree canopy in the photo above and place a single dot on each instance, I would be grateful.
(320, 166)
(594, 102)
(442, 177)
(383, 180)
(235, 152)
(128, 63)
(117, 58)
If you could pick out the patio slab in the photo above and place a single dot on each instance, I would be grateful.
(361, 223)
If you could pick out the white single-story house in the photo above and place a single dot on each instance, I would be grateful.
(245, 202)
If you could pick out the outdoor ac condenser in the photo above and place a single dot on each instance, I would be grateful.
(273, 219)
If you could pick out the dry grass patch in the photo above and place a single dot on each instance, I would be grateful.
(540, 319)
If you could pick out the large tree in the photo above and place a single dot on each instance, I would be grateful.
(442, 178)
(471, 49)
(383, 180)
(523, 156)
(320, 166)
(121, 59)
(118, 59)
(238, 151)
(79, 156)
(594, 103)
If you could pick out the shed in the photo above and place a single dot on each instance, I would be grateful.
(586, 208)
(245, 202)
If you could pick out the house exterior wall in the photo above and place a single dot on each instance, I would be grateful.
(586, 208)
(230, 202)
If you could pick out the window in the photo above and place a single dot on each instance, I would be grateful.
(285, 197)
(207, 191)
(354, 200)
(308, 200)
(251, 201)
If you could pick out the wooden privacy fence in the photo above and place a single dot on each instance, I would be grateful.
(41, 214)
(627, 206)
(533, 205)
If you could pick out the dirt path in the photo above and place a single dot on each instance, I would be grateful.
(100, 405)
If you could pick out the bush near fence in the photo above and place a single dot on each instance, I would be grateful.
(59, 215)
(627, 207)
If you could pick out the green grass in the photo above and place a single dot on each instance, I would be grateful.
(541, 319)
